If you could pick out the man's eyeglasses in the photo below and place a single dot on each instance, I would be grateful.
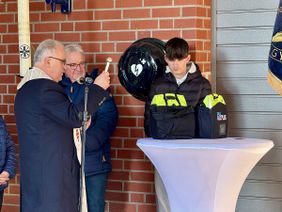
(74, 66)
(59, 59)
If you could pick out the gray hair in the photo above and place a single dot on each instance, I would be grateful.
(45, 48)
(74, 48)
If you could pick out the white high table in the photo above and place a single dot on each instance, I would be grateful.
(204, 175)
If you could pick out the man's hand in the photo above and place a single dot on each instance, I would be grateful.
(88, 123)
(4, 178)
(103, 80)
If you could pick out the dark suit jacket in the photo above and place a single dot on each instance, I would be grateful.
(49, 168)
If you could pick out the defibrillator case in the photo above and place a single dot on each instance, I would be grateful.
(212, 117)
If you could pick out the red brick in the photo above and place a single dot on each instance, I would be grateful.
(11, 199)
(130, 143)
(87, 26)
(166, 12)
(122, 36)
(138, 165)
(85, 15)
(79, 5)
(10, 38)
(2, 8)
(150, 198)
(10, 119)
(114, 185)
(13, 48)
(6, 18)
(137, 198)
(115, 25)
(129, 111)
(143, 34)
(166, 34)
(138, 187)
(146, 208)
(116, 142)
(13, 28)
(130, 154)
(34, 17)
(3, 28)
(140, 121)
(99, 4)
(189, 34)
(122, 207)
(166, 23)
(107, 14)
(48, 16)
(12, 89)
(157, 3)
(108, 47)
(10, 208)
(70, 37)
(37, 6)
(137, 13)
(101, 58)
(67, 26)
(143, 176)
(207, 23)
(14, 69)
(127, 121)
(128, 3)
(46, 27)
(40, 37)
(130, 100)
(117, 196)
(121, 132)
(144, 24)
(119, 175)
(186, 23)
(14, 189)
(184, 2)
(94, 36)
(7, 79)
(91, 47)
(189, 11)
(117, 164)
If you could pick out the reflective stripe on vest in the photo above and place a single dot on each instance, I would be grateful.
(169, 99)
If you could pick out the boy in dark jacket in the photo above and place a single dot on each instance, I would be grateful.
(175, 95)
(103, 124)
(7, 158)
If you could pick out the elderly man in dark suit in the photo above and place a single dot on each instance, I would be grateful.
(45, 118)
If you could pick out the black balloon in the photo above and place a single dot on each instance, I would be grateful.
(142, 62)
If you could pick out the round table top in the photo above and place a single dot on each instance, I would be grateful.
(199, 143)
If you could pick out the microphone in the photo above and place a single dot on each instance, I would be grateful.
(109, 60)
(84, 80)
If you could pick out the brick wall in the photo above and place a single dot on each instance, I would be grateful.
(106, 28)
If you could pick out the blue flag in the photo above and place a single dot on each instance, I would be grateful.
(275, 54)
